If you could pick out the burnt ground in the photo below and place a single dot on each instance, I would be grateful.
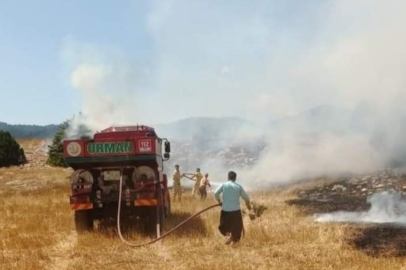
(380, 240)
(350, 194)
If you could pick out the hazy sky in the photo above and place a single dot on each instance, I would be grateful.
(43, 41)
(162, 60)
(34, 76)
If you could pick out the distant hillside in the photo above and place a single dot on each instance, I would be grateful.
(318, 119)
(229, 142)
(185, 129)
(29, 131)
(205, 131)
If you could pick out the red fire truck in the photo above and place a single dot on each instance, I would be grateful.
(126, 162)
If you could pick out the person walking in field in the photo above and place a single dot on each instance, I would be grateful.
(203, 187)
(177, 189)
(197, 177)
(231, 224)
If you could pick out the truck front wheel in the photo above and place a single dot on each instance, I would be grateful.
(83, 221)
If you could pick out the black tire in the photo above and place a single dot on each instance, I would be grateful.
(167, 205)
(84, 221)
(162, 219)
(152, 220)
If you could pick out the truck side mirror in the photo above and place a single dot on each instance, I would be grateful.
(167, 156)
(167, 147)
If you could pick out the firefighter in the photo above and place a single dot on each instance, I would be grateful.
(196, 177)
(177, 189)
(203, 186)
(231, 224)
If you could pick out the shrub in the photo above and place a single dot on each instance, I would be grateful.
(10, 151)
(55, 151)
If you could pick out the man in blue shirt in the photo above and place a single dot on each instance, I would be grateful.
(231, 224)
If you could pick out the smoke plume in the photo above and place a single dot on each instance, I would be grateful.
(322, 82)
(385, 208)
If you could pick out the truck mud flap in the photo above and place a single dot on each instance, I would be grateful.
(81, 206)
(146, 202)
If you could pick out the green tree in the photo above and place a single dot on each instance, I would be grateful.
(10, 151)
(55, 151)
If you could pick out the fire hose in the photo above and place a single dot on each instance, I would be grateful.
(159, 238)
(190, 178)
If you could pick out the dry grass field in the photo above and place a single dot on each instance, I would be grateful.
(37, 232)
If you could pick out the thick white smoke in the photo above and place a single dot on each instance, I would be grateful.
(109, 95)
(385, 208)
(269, 62)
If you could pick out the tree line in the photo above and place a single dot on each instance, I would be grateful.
(29, 131)
(12, 154)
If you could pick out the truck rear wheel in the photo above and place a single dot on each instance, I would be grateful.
(152, 220)
(84, 221)
(167, 205)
